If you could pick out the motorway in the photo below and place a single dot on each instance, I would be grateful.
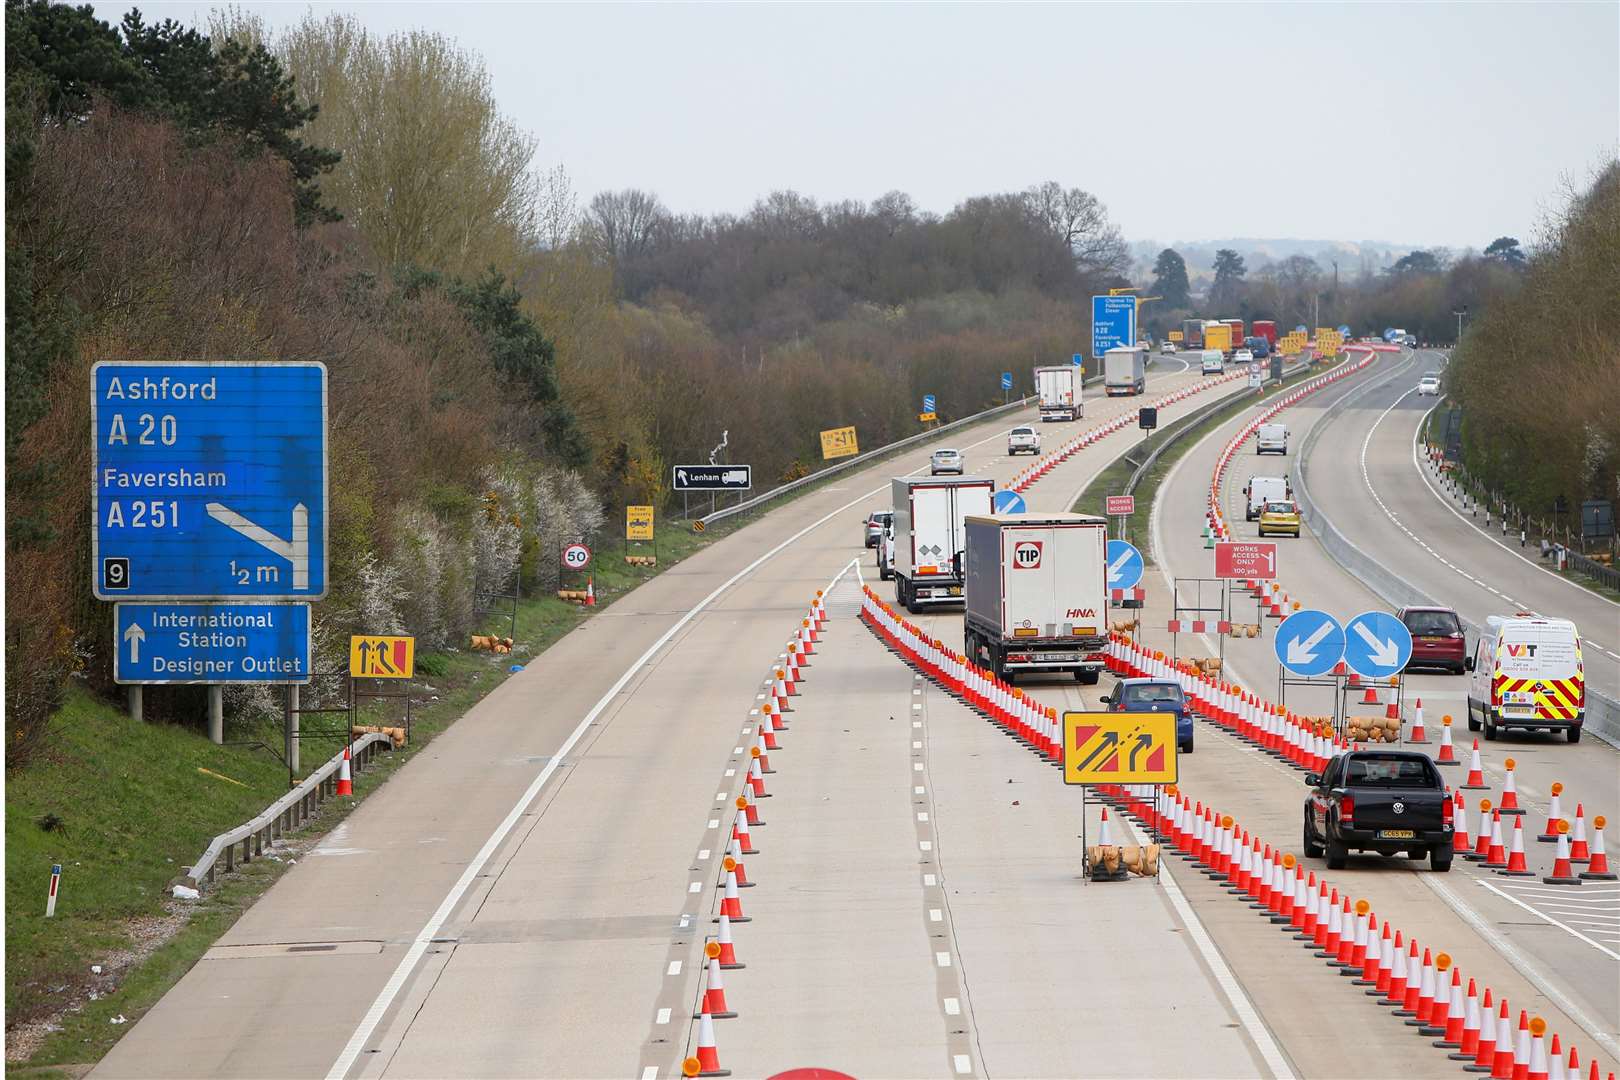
(531, 894)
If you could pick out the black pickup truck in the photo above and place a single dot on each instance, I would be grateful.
(1382, 801)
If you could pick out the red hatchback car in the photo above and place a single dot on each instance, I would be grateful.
(1437, 638)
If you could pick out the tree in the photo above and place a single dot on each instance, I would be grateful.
(1506, 250)
(622, 224)
(1226, 289)
(433, 174)
(1080, 221)
(1170, 279)
(1416, 263)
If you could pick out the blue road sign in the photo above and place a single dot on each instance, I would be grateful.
(1309, 642)
(928, 403)
(209, 481)
(1124, 565)
(1008, 502)
(1113, 323)
(1376, 644)
(211, 643)
(1006, 380)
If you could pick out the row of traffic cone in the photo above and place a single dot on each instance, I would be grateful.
(1277, 885)
(720, 953)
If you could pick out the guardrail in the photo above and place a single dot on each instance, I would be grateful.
(1602, 712)
(282, 816)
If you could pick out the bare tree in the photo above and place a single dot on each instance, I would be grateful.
(1080, 220)
(557, 208)
(623, 224)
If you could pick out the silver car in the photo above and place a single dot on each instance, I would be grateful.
(1023, 440)
(946, 461)
(1429, 384)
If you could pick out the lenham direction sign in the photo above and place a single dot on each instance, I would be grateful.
(209, 481)
(714, 477)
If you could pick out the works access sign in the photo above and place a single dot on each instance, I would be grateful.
(1241, 559)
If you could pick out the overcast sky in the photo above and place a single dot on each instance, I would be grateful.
(1422, 124)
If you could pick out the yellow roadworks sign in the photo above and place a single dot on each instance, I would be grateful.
(638, 523)
(839, 442)
(1119, 748)
(1177, 335)
(927, 417)
(382, 656)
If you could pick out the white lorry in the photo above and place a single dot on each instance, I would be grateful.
(1124, 371)
(1263, 489)
(1527, 672)
(1037, 593)
(1059, 390)
(930, 515)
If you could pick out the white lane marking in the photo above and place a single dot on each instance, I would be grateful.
(918, 790)
(663, 1016)
(674, 968)
(418, 948)
(703, 853)
(1246, 1013)
(714, 823)
(935, 914)
(953, 1007)
(930, 880)
(649, 1073)
(925, 845)
(1522, 963)
(962, 1062)
(696, 886)
(922, 815)
(943, 959)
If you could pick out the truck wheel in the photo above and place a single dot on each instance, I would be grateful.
(1313, 850)
(1336, 855)
(1440, 859)
(1573, 734)
(1088, 676)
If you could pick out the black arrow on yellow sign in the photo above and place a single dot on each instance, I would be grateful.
(1109, 740)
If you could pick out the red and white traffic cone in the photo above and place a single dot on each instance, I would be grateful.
(1562, 873)
(1482, 843)
(1493, 1029)
(1496, 853)
(1447, 754)
(1578, 849)
(1510, 791)
(1515, 866)
(727, 954)
(732, 863)
(756, 779)
(590, 591)
(1476, 773)
(1502, 1060)
(731, 903)
(1447, 999)
(1414, 980)
(1598, 868)
(706, 1062)
(1555, 814)
(1465, 1024)
(1426, 991)
(750, 810)
(1459, 830)
(757, 752)
(739, 833)
(777, 723)
(764, 732)
(714, 991)
(1521, 1048)
(345, 781)
(1419, 735)
(1103, 839)
(1538, 1050)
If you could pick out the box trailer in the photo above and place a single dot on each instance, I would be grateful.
(1037, 593)
(1059, 391)
(1124, 371)
(1266, 328)
(930, 516)
(1192, 333)
(1218, 336)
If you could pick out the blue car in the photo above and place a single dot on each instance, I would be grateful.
(1154, 695)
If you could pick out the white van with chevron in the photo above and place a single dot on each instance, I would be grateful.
(1527, 673)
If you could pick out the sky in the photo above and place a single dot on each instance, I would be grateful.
(1415, 124)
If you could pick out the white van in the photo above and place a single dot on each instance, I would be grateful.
(1271, 439)
(1212, 362)
(1264, 489)
(1527, 673)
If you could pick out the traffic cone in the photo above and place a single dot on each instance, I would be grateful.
(1419, 735)
(1515, 866)
(739, 833)
(1496, 856)
(1562, 874)
(756, 779)
(1370, 696)
(714, 991)
(1578, 850)
(728, 951)
(1555, 813)
(757, 752)
(1476, 773)
(1598, 868)
(1482, 846)
(1489, 1024)
(1426, 992)
(706, 1062)
(1555, 1054)
(764, 732)
(777, 723)
(749, 809)
(590, 591)
(1459, 832)
(1538, 1050)
(1447, 755)
(1103, 839)
(1466, 1047)
(345, 782)
(731, 863)
(730, 903)
(1414, 981)
(1369, 964)
(1510, 792)
(1521, 1048)
(1502, 1057)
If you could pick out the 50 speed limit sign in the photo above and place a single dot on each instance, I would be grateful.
(576, 557)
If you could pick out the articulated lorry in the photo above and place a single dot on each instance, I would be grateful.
(1124, 371)
(1192, 333)
(1059, 391)
(1037, 594)
(930, 516)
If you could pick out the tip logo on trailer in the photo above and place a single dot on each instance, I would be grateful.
(1027, 555)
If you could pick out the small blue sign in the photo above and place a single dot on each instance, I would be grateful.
(1006, 380)
(1079, 359)
(1008, 502)
(1300, 329)
(1113, 323)
(209, 481)
(211, 643)
(1124, 565)
(1309, 642)
(1376, 644)
(928, 403)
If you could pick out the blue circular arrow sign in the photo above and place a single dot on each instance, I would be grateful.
(1309, 642)
(1009, 502)
(1124, 565)
(1376, 644)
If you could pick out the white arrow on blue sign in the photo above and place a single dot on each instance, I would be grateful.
(211, 643)
(928, 403)
(1113, 323)
(1124, 565)
(1006, 380)
(1376, 644)
(1008, 502)
(1079, 359)
(1309, 642)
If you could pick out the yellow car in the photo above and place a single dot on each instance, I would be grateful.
(1279, 517)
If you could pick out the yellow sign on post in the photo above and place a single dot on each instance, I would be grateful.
(1119, 748)
(927, 417)
(382, 656)
(1328, 341)
(1292, 343)
(839, 442)
(638, 523)
(1177, 335)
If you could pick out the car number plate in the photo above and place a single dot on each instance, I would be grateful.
(1056, 657)
(956, 590)
(1396, 834)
